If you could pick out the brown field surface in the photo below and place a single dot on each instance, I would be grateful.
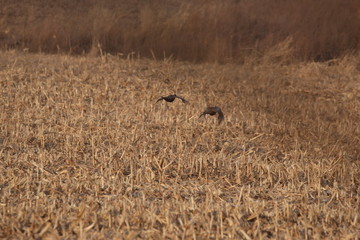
(86, 153)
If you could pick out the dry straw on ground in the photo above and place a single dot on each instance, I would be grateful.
(85, 153)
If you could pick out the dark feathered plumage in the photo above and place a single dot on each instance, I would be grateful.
(212, 111)
(171, 98)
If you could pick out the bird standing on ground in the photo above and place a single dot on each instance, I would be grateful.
(212, 111)
(171, 98)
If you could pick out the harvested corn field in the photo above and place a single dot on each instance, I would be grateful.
(87, 153)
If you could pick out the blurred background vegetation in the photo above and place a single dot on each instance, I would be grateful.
(196, 30)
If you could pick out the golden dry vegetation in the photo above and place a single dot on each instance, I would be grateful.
(85, 153)
(192, 30)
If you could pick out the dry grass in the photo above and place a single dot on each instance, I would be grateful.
(85, 153)
(192, 30)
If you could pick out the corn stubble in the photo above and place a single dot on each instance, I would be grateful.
(87, 154)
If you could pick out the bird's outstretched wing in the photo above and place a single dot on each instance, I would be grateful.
(207, 111)
(161, 98)
(221, 115)
(182, 99)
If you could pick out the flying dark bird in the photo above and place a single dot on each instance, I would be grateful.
(171, 98)
(212, 111)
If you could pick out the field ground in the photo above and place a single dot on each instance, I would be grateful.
(85, 153)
